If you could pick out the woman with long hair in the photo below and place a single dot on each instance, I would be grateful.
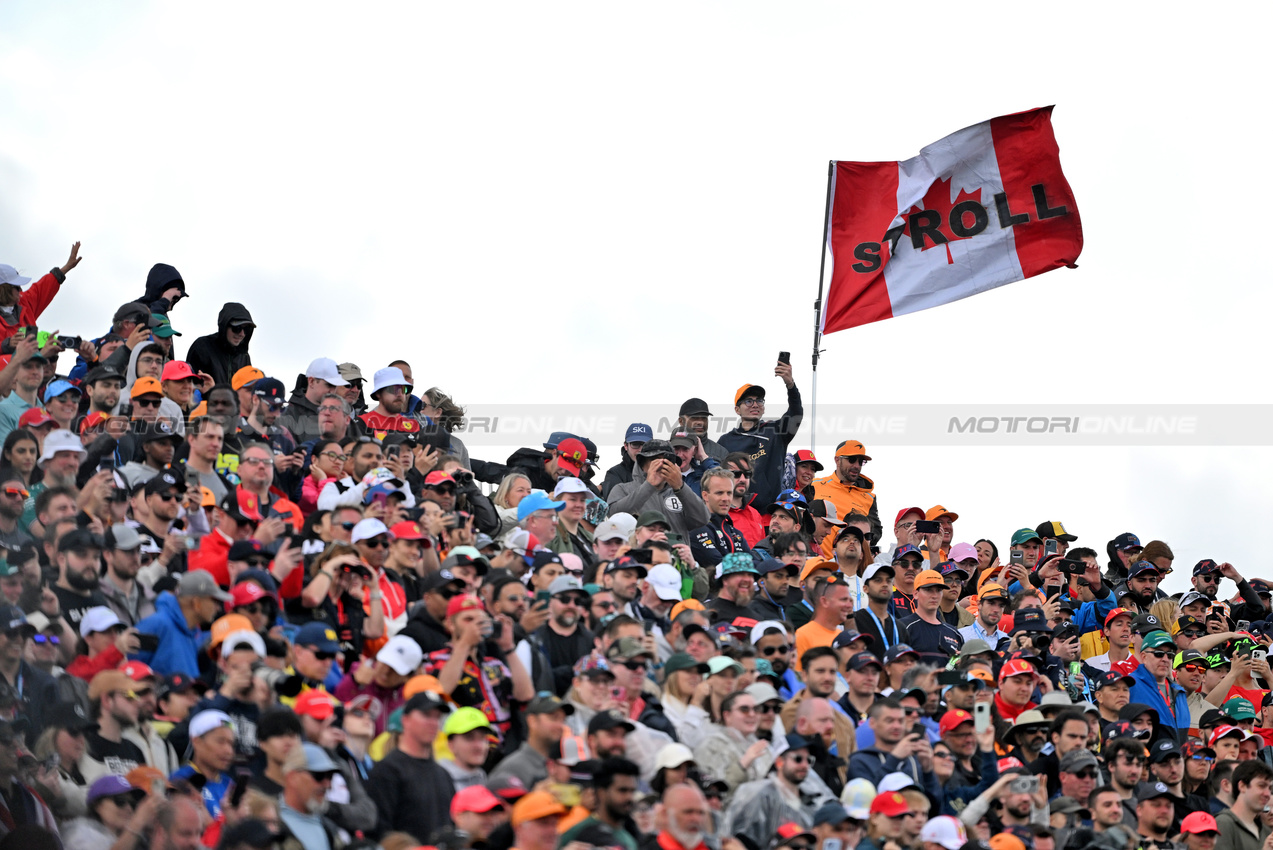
(338, 580)
(685, 697)
(509, 494)
(443, 410)
(731, 751)
(328, 461)
(987, 560)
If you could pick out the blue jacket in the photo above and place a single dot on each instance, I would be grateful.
(874, 764)
(1145, 690)
(178, 650)
(1091, 615)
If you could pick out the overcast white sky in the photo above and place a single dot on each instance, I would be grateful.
(587, 203)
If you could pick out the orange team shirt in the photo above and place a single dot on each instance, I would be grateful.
(808, 636)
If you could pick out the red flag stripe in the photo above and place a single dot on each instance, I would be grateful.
(865, 201)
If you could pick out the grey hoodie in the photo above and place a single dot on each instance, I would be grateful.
(683, 508)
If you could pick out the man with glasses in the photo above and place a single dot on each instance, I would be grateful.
(301, 416)
(564, 639)
(848, 488)
(1167, 765)
(636, 436)
(1153, 685)
(366, 455)
(37, 691)
(13, 496)
(741, 513)
(307, 779)
(113, 698)
(390, 391)
(146, 396)
(130, 600)
(765, 442)
(757, 809)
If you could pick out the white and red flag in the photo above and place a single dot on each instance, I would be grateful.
(985, 206)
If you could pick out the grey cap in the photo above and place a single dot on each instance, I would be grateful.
(201, 583)
(565, 584)
(976, 646)
(123, 537)
(1055, 699)
(762, 692)
(1076, 760)
(349, 372)
(312, 758)
(1064, 806)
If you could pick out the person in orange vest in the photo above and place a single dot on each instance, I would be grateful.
(848, 488)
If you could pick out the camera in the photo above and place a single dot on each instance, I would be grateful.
(281, 683)
(357, 569)
(1023, 785)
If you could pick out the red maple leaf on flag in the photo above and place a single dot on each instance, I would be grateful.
(938, 200)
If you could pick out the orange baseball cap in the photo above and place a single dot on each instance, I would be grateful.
(816, 564)
(940, 510)
(245, 376)
(983, 675)
(928, 578)
(207, 499)
(1005, 841)
(686, 605)
(142, 386)
(746, 390)
(421, 683)
(852, 448)
(223, 626)
(536, 805)
(200, 409)
(990, 590)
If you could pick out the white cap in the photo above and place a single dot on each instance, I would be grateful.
(857, 797)
(946, 831)
(324, 368)
(762, 692)
(896, 782)
(672, 755)
(8, 274)
(517, 540)
(98, 619)
(61, 440)
(666, 581)
(39, 620)
(758, 630)
(390, 376)
(207, 720)
(401, 653)
(614, 527)
(240, 639)
(871, 570)
(367, 529)
(570, 485)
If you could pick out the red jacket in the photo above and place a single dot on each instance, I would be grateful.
(213, 555)
(747, 520)
(32, 303)
(86, 668)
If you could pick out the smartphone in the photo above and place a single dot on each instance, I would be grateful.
(241, 777)
(192, 479)
(1244, 625)
(1050, 547)
(648, 625)
(927, 526)
(146, 642)
(832, 844)
(542, 598)
(1017, 557)
(981, 717)
(784, 356)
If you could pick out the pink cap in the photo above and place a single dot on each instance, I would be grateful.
(476, 798)
(962, 552)
(177, 370)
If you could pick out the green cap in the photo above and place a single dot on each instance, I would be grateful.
(652, 518)
(683, 661)
(7, 569)
(592, 589)
(1239, 709)
(764, 668)
(464, 720)
(721, 663)
(738, 562)
(160, 326)
(394, 723)
(1153, 640)
(625, 648)
(1021, 535)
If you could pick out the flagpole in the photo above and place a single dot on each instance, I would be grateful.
(817, 308)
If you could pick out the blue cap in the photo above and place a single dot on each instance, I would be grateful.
(1141, 567)
(792, 496)
(638, 432)
(767, 565)
(536, 500)
(906, 550)
(949, 567)
(319, 635)
(56, 388)
(557, 436)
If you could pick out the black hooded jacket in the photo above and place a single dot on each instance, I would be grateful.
(161, 278)
(214, 354)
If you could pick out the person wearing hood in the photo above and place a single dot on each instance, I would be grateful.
(22, 300)
(225, 352)
(658, 485)
(621, 473)
(164, 288)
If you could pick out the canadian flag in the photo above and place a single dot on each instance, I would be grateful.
(985, 206)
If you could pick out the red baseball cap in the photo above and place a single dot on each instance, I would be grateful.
(35, 418)
(953, 719)
(1198, 822)
(1119, 612)
(249, 505)
(94, 419)
(904, 511)
(571, 455)
(1017, 667)
(437, 477)
(475, 798)
(319, 705)
(245, 593)
(137, 671)
(806, 456)
(177, 370)
(463, 602)
(409, 530)
(892, 805)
